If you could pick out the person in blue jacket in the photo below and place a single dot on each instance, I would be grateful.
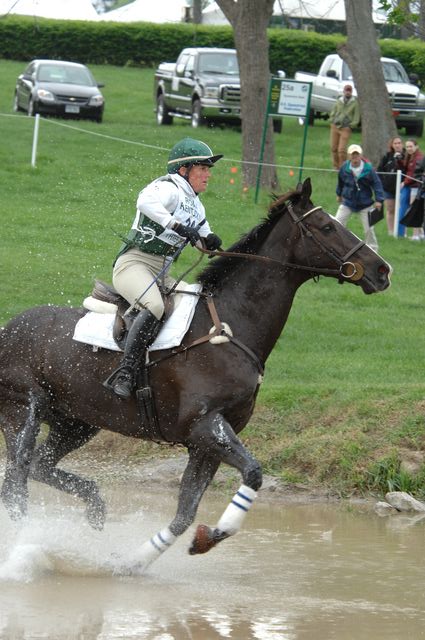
(359, 189)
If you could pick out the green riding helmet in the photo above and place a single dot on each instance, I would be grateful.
(188, 152)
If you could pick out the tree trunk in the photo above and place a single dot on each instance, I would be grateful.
(421, 23)
(407, 29)
(250, 20)
(362, 54)
(197, 11)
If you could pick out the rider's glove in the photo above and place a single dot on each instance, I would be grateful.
(212, 242)
(187, 232)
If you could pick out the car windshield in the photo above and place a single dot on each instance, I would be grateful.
(224, 63)
(394, 72)
(64, 75)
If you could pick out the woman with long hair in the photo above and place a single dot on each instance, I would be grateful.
(390, 163)
(409, 185)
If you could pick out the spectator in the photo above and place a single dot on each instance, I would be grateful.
(390, 163)
(418, 232)
(359, 188)
(409, 185)
(344, 117)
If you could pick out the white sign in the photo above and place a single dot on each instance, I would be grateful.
(294, 98)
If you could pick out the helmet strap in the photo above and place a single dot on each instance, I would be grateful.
(187, 168)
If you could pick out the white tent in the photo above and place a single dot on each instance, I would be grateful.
(321, 10)
(313, 9)
(59, 9)
(148, 11)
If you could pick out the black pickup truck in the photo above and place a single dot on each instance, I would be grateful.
(202, 86)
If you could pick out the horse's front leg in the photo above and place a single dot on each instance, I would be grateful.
(211, 442)
(225, 443)
(198, 474)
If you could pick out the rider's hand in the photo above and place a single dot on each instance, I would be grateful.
(187, 232)
(212, 242)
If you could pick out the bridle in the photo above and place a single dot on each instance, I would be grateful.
(348, 270)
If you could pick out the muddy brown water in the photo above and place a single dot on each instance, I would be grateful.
(298, 570)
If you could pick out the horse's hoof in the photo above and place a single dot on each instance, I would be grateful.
(17, 512)
(16, 504)
(96, 514)
(203, 541)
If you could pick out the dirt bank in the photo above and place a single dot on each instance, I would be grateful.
(110, 457)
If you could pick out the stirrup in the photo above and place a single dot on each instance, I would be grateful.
(121, 387)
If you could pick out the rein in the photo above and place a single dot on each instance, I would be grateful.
(347, 270)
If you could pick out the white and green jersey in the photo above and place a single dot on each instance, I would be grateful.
(160, 205)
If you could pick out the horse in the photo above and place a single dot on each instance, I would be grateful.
(205, 390)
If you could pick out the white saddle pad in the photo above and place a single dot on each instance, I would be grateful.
(96, 328)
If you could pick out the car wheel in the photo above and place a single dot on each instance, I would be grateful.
(196, 114)
(32, 109)
(162, 114)
(311, 117)
(415, 129)
(277, 125)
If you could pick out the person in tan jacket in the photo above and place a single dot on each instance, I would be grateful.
(344, 117)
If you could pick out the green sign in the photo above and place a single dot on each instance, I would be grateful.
(289, 98)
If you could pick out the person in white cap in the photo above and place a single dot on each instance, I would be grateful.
(344, 117)
(359, 188)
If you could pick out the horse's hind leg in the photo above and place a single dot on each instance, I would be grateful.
(20, 444)
(66, 435)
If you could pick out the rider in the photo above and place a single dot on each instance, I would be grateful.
(169, 213)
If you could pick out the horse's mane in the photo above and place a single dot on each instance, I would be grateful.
(216, 271)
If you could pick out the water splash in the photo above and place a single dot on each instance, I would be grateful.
(64, 544)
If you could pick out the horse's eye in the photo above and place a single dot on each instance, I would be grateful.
(327, 228)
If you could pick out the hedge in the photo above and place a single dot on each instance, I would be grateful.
(146, 44)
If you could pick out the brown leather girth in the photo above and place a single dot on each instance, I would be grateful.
(218, 331)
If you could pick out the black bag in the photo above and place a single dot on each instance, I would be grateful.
(414, 216)
(375, 215)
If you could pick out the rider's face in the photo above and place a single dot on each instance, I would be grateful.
(199, 174)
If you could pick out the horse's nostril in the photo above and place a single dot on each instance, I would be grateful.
(383, 269)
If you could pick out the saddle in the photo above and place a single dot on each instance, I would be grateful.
(104, 298)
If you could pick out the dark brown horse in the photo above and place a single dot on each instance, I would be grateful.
(204, 395)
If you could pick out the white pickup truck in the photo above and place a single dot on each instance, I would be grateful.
(407, 102)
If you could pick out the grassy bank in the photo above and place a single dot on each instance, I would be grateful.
(343, 400)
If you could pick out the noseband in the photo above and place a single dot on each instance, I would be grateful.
(348, 270)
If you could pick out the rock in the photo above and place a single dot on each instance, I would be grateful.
(384, 509)
(402, 501)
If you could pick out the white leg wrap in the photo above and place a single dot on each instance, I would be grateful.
(231, 520)
(153, 548)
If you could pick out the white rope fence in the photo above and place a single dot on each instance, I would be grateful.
(37, 118)
(57, 123)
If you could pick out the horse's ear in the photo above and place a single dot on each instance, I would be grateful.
(306, 189)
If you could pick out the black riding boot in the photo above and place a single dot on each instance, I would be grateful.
(142, 333)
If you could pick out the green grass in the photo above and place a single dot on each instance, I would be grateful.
(344, 387)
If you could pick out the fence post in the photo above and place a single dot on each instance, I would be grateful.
(35, 139)
(397, 204)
